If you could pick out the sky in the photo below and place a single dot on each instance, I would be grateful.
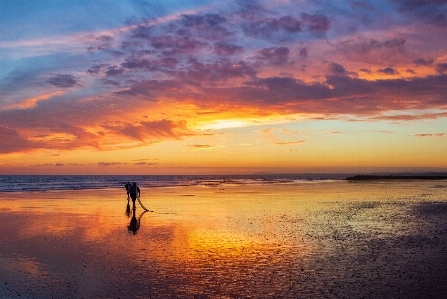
(240, 87)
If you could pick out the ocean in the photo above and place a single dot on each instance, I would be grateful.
(19, 183)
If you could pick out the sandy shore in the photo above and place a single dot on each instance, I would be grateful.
(310, 240)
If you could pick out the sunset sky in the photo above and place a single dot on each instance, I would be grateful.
(160, 87)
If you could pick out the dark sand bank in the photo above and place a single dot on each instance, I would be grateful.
(309, 240)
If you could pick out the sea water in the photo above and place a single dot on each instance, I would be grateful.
(17, 183)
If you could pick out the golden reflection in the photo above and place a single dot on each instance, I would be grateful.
(237, 241)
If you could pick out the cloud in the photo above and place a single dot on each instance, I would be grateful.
(388, 71)
(244, 58)
(12, 141)
(45, 125)
(267, 27)
(148, 130)
(208, 20)
(274, 55)
(114, 71)
(290, 142)
(317, 24)
(165, 63)
(368, 71)
(107, 164)
(433, 12)
(211, 26)
(429, 135)
(105, 38)
(362, 45)
(441, 68)
(177, 44)
(62, 81)
(422, 61)
(200, 73)
(222, 48)
(203, 146)
(142, 163)
(339, 70)
(303, 53)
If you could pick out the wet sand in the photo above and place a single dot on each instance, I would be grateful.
(335, 239)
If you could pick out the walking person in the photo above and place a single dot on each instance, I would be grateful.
(134, 192)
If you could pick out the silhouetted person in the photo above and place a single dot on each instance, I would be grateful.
(127, 186)
(134, 192)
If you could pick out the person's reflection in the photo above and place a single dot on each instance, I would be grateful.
(134, 224)
(128, 210)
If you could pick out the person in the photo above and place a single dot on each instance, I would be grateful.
(134, 192)
(127, 185)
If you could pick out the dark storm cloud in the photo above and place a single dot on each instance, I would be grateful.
(62, 81)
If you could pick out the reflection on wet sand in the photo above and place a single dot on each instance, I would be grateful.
(332, 239)
(135, 223)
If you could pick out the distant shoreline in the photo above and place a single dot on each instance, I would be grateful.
(395, 177)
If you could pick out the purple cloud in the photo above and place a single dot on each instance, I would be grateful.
(209, 20)
(273, 56)
(114, 71)
(267, 27)
(364, 46)
(388, 71)
(222, 48)
(62, 81)
(441, 68)
(303, 53)
(317, 23)
(422, 61)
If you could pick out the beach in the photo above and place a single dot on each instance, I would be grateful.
(315, 239)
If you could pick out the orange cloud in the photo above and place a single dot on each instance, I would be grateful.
(31, 102)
